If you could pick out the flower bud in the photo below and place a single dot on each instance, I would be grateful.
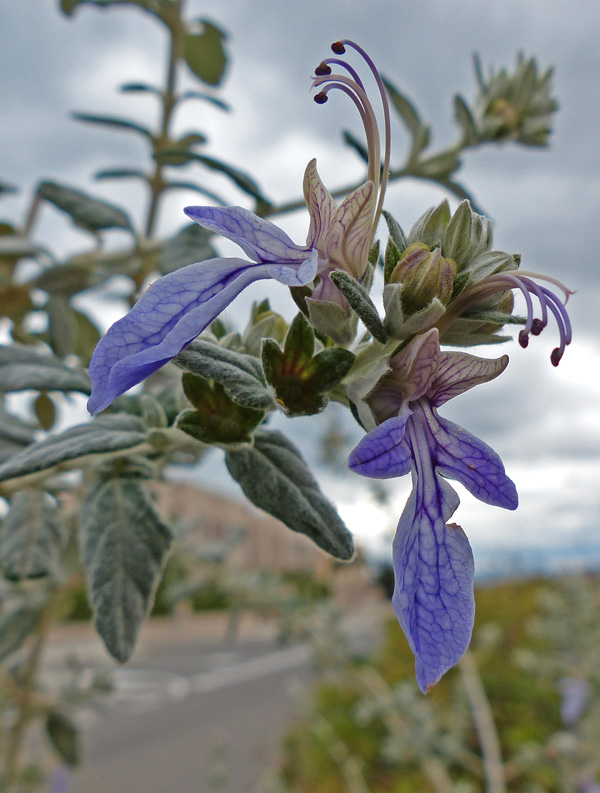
(424, 275)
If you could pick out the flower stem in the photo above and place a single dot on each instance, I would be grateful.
(484, 724)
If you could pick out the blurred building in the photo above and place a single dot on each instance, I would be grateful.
(207, 518)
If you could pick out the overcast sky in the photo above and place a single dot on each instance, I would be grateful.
(544, 422)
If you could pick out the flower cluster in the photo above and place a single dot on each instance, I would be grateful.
(443, 284)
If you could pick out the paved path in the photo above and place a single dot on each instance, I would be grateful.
(190, 710)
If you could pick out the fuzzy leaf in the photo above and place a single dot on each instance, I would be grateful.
(31, 537)
(405, 109)
(22, 369)
(15, 627)
(240, 375)
(104, 435)
(274, 476)
(360, 301)
(124, 547)
(190, 245)
(90, 213)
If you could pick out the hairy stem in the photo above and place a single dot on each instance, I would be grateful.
(169, 96)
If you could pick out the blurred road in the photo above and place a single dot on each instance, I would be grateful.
(191, 713)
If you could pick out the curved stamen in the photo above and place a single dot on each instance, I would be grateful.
(537, 325)
(386, 118)
(365, 108)
(339, 62)
(541, 277)
(548, 300)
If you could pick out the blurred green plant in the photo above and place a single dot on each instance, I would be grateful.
(507, 719)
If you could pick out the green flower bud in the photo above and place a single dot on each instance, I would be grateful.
(424, 274)
(516, 105)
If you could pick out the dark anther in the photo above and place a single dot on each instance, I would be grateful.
(320, 98)
(338, 48)
(322, 69)
(523, 339)
(556, 356)
(537, 326)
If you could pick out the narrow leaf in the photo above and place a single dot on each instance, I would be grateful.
(89, 213)
(64, 737)
(274, 476)
(241, 179)
(405, 109)
(15, 627)
(205, 97)
(124, 546)
(240, 375)
(104, 435)
(191, 244)
(31, 537)
(22, 369)
(361, 303)
(113, 121)
(465, 121)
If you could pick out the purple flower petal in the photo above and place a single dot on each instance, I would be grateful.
(383, 452)
(350, 235)
(458, 372)
(170, 313)
(260, 239)
(320, 204)
(415, 367)
(461, 456)
(294, 275)
(433, 566)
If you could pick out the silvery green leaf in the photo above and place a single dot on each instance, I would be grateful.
(402, 326)
(15, 246)
(15, 429)
(31, 537)
(124, 547)
(22, 368)
(112, 121)
(240, 375)
(89, 213)
(405, 109)
(396, 234)
(104, 435)
(465, 121)
(64, 737)
(241, 179)
(15, 627)
(360, 301)
(204, 53)
(190, 245)
(274, 476)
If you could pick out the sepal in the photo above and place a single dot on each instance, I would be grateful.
(216, 419)
(299, 379)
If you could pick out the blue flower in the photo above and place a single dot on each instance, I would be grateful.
(179, 306)
(433, 562)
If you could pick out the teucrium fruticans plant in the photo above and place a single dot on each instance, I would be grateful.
(443, 283)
